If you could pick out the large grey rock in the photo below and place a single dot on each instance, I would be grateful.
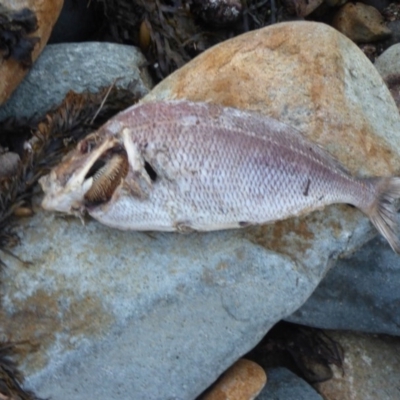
(360, 293)
(79, 67)
(285, 385)
(130, 315)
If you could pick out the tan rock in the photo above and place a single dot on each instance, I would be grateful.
(243, 381)
(11, 70)
(361, 23)
(330, 91)
(371, 368)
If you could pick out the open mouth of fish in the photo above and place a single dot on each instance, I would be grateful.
(95, 170)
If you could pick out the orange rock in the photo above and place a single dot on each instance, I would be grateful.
(12, 71)
(243, 381)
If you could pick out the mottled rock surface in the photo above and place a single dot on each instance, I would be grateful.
(330, 92)
(79, 67)
(360, 293)
(46, 13)
(163, 315)
(388, 63)
(285, 385)
(371, 369)
(160, 315)
(361, 23)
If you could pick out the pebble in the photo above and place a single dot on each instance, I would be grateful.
(371, 369)
(243, 381)
(360, 23)
(388, 65)
(9, 164)
(285, 385)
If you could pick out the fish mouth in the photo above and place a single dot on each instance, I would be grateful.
(106, 174)
(87, 177)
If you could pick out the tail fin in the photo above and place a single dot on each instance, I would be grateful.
(383, 213)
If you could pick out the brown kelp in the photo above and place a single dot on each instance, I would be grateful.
(173, 32)
(11, 379)
(15, 26)
(41, 144)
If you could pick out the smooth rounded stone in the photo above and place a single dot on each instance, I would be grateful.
(371, 369)
(394, 38)
(388, 63)
(160, 315)
(361, 23)
(78, 67)
(361, 293)
(244, 380)
(46, 12)
(285, 385)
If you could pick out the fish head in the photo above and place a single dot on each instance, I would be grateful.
(84, 175)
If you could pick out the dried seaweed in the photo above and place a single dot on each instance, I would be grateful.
(42, 144)
(11, 378)
(306, 351)
(171, 34)
(15, 26)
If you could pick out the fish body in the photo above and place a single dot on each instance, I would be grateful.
(182, 166)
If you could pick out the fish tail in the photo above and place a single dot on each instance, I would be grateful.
(382, 212)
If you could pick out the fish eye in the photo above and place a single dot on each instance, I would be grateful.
(88, 144)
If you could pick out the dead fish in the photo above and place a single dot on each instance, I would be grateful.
(182, 166)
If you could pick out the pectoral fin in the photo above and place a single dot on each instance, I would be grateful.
(137, 162)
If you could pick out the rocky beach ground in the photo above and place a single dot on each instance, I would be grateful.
(305, 308)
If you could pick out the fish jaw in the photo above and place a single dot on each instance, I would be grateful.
(67, 199)
(66, 185)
